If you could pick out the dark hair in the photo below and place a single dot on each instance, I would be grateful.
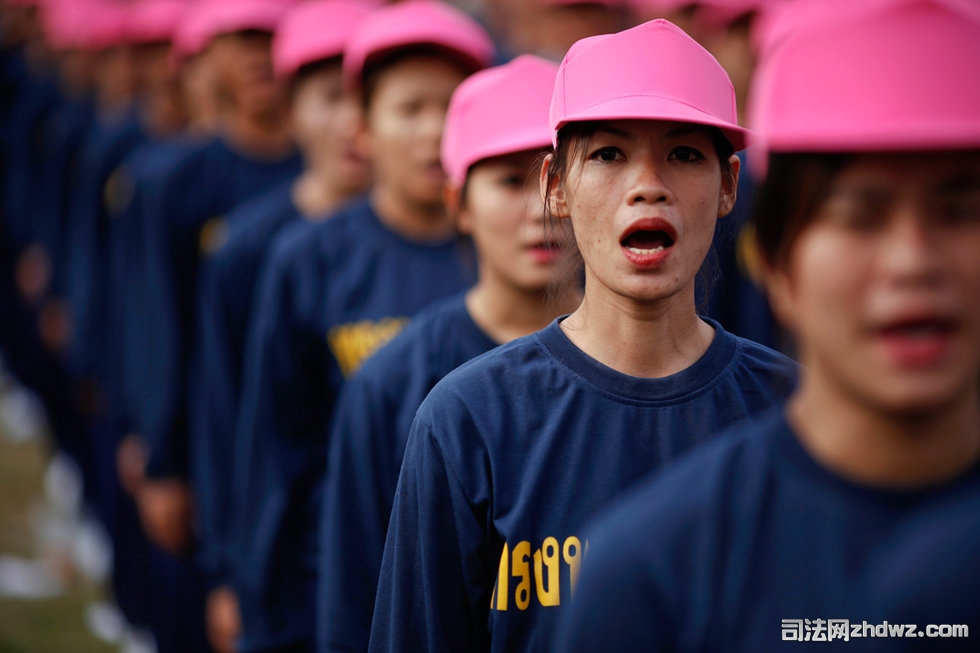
(309, 70)
(788, 199)
(377, 64)
(573, 138)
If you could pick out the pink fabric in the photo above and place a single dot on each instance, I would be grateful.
(498, 111)
(84, 24)
(155, 20)
(416, 22)
(653, 71)
(210, 18)
(316, 30)
(880, 75)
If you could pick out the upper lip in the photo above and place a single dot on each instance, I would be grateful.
(917, 318)
(650, 224)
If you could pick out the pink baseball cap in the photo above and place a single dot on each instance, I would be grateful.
(151, 21)
(314, 31)
(498, 111)
(416, 22)
(879, 75)
(90, 25)
(653, 71)
(207, 19)
(607, 3)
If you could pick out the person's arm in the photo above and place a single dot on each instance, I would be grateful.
(436, 582)
(365, 457)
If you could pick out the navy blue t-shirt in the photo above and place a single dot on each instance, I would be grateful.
(329, 295)
(510, 454)
(371, 424)
(745, 544)
(181, 219)
(226, 288)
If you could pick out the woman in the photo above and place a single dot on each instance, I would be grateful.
(868, 226)
(510, 453)
(496, 133)
(330, 293)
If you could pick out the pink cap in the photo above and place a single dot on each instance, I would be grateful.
(879, 75)
(417, 22)
(653, 71)
(154, 20)
(84, 24)
(498, 111)
(607, 3)
(314, 31)
(206, 19)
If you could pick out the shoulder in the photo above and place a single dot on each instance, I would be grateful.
(250, 223)
(490, 381)
(753, 362)
(692, 494)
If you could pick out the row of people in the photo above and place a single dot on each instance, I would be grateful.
(233, 337)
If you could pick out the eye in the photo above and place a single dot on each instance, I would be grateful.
(686, 154)
(858, 214)
(608, 153)
(511, 179)
(960, 208)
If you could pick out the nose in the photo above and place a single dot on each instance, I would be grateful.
(647, 184)
(911, 251)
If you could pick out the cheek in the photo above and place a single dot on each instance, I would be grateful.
(829, 283)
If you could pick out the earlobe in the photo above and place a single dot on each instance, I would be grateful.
(452, 198)
(362, 139)
(779, 290)
(554, 197)
(729, 188)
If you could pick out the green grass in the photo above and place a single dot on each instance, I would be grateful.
(37, 626)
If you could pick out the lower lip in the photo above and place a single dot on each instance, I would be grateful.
(916, 351)
(544, 254)
(646, 258)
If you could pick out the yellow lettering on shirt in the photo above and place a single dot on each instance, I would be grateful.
(546, 566)
(353, 343)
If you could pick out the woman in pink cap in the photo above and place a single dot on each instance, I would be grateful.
(307, 51)
(496, 132)
(511, 453)
(331, 293)
(851, 512)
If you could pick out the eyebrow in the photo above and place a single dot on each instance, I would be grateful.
(962, 183)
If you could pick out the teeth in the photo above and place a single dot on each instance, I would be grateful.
(637, 250)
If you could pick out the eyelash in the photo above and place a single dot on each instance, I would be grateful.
(693, 155)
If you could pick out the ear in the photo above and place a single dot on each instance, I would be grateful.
(778, 284)
(452, 199)
(729, 188)
(362, 137)
(554, 198)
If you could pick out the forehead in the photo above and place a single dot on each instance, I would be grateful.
(921, 172)
(651, 128)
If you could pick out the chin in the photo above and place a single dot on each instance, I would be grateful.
(915, 402)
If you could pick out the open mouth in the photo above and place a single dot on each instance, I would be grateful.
(647, 241)
(920, 328)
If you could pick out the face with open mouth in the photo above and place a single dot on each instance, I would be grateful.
(643, 197)
(882, 286)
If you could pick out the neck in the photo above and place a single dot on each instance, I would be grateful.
(883, 449)
(424, 222)
(642, 339)
(505, 312)
(314, 195)
(264, 137)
